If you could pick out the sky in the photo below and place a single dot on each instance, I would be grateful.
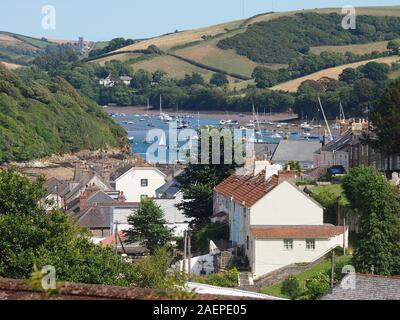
(98, 20)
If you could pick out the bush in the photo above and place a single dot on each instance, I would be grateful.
(228, 279)
(317, 285)
(291, 288)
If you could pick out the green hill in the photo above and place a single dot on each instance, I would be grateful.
(271, 39)
(41, 116)
(20, 49)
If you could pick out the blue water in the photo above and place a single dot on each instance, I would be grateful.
(139, 129)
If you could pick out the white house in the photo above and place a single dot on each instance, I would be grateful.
(138, 182)
(274, 223)
(107, 82)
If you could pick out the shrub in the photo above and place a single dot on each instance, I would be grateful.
(291, 288)
(228, 279)
(317, 285)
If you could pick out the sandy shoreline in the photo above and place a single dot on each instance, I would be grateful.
(246, 116)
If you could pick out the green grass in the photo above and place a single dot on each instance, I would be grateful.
(323, 266)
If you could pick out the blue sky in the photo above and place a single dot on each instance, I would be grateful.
(104, 20)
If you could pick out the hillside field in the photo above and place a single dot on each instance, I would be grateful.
(293, 85)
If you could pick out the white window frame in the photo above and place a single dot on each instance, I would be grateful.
(288, 244)
(310, 244)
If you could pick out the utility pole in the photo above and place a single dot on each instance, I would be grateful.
(190, 254)
(344, 234)
(332, 267)
(184, 249)
(116, 237)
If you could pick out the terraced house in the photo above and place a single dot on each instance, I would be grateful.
(272, 223)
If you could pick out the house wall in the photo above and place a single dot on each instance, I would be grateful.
(286, 205)
(121, 215)
(130, 183)
(270, 254)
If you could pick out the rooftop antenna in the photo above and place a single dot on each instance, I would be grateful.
(326, 121)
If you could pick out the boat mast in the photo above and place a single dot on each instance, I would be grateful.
(326, 121)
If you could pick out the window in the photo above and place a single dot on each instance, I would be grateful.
(310, 244)
(288, 244)
(143, 196)
(144, 182)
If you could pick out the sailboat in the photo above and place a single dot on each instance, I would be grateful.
(162, 142)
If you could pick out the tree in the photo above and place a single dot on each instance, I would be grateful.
(141, 79)
(219, 79)
(375, 71)
(194, 78)
(317, 286)
(378, 205)
(148, 226)
(291, 288)
(386, 120)
(349, 75)
(394, 46)
(210, 231)
(265, 77)
(294, 166)
(29, 235)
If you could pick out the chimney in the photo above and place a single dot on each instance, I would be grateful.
(286, 175)
(106, 171)
(121, 198)
(83, 200)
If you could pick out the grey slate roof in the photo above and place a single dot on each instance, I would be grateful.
(54, 185)
(297, 150)
(340, 143)
(96, 218)
(367, 287)
(169, 189)
(262, 149)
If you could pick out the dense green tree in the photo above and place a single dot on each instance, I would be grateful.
(148, 226)
(375, 71)
(378, 204)
(219, 79)
(29, 235)
(385, 118)
(192, 79)
(197, 183)
(141, 79)
(350, 75)
(265, 77)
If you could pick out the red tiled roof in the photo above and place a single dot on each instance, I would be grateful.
(111, 239)
(247, 189)
(300, 232)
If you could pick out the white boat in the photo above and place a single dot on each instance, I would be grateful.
(162, 142)
(130, 122)
(222, 122)
(131, 138)
(277, 136)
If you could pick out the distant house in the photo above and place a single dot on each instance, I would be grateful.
(125, 80)
(138, 182)
(365, 287)
(107, 82)
(297, 150)
(273, 223)
(334, 153)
